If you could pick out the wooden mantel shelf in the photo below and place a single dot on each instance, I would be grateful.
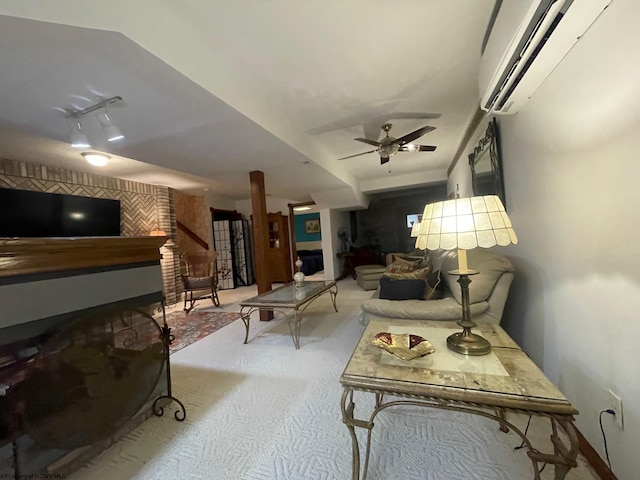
(22, 256)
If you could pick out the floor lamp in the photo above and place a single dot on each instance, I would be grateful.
(465, 224)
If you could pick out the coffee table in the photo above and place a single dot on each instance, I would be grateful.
(492, 385)
(286, 299)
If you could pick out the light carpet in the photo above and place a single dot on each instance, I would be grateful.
(267, 411)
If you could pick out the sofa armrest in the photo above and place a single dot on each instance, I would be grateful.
(441, 309)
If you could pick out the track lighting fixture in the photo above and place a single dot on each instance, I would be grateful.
(111, 131)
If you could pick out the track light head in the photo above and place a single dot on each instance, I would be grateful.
(78, 138)
(111, 131)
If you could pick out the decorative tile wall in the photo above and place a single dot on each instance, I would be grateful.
(143, 207)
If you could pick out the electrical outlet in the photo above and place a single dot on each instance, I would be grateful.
(615, 404)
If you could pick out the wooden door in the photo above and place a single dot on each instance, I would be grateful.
(278, 254)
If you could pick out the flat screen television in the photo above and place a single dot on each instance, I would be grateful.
(24, 213)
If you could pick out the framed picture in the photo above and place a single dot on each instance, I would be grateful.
(413, 218)
(312, 226)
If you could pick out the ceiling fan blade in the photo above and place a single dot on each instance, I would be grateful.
(384, 160)
(426, 148)
(357, 155)
(417, 148)
(370, 142)
(410, 137)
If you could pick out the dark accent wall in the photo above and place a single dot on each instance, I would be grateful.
(384, 224)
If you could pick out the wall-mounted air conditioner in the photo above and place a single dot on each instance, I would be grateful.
(527, 41)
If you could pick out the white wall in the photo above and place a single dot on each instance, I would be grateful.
(571, 173)
(219, 202)
(331, 221)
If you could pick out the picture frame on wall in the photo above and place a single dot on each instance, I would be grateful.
(312, 226)
(413, 218)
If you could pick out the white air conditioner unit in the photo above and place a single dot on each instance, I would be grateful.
(527, 41)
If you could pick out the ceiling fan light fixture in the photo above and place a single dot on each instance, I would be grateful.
(96, 159)
(389, 146)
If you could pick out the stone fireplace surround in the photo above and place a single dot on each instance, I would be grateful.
(44, 283)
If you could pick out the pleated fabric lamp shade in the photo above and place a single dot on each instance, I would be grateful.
(465, 223)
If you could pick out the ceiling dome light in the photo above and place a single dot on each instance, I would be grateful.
(78, 138)
(111, 131)
(97, 159)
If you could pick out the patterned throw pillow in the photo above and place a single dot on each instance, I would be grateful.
(401, 265)
(420, 273)
(422, 260)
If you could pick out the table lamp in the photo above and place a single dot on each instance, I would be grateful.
(464, 224)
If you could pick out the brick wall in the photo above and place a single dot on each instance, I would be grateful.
(143, 207)
(194, 213)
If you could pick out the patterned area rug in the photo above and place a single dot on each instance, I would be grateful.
(188, 329)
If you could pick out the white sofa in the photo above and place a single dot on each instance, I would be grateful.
(488, 291)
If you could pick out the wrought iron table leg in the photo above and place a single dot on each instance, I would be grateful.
(566, 455)
(334, 294)
(347, 417)
(246, 317)
(295, 328)
(502, 415)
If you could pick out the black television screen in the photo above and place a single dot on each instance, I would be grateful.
(24, 213)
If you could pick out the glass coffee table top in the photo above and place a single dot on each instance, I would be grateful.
(290, 299)
(288, 295)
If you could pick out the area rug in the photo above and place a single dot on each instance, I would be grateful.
(188, 329)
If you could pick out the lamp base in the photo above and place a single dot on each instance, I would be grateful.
(468, 343)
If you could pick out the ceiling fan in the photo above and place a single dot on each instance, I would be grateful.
(389, 146)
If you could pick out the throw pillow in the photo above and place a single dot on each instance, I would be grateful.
(411, 289)
(401, 265)
(422, 260)
(420, 273)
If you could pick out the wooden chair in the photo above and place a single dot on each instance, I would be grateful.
(199, 278)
